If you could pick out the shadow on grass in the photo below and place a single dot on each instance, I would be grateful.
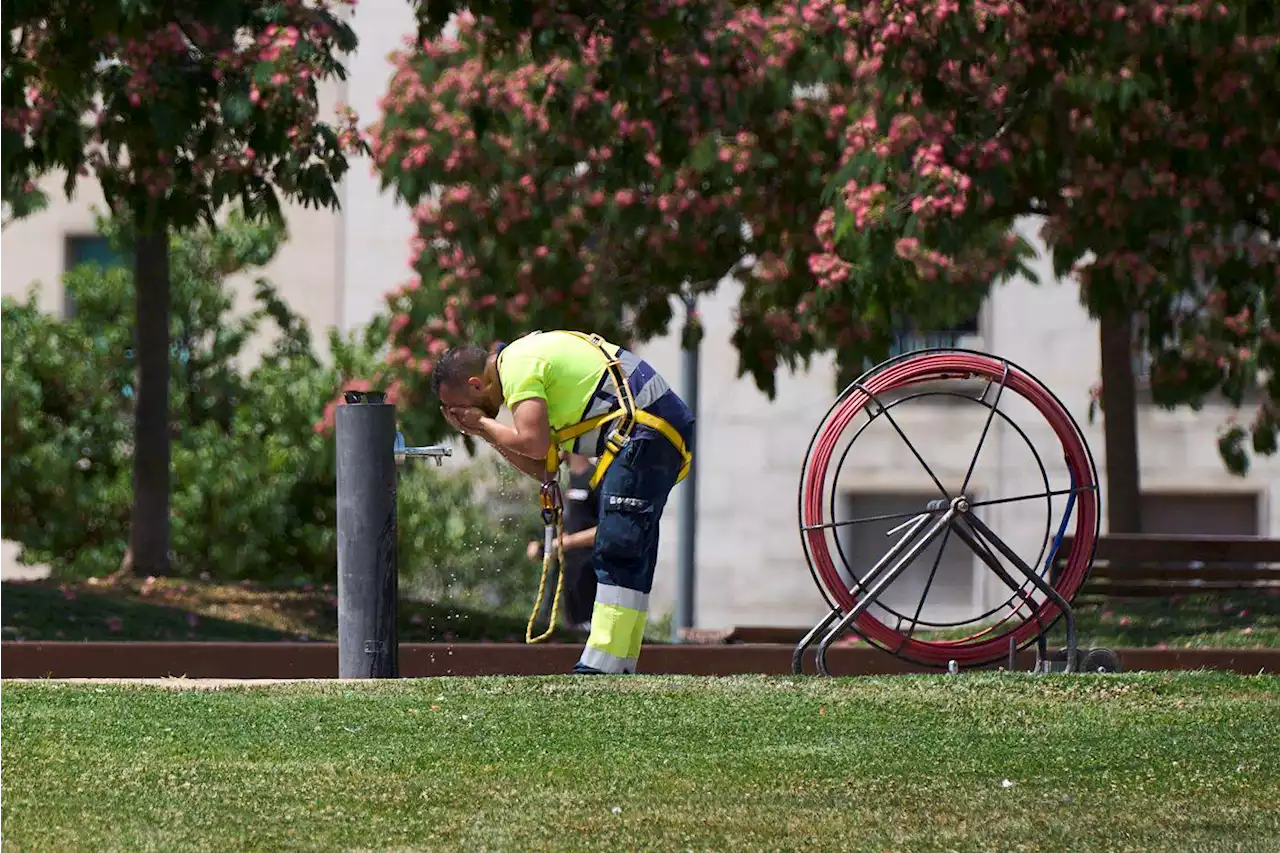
(46, 611)
(176, 610)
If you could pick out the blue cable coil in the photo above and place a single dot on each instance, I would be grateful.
(1066, 518)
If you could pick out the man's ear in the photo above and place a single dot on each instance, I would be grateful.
(476, 382)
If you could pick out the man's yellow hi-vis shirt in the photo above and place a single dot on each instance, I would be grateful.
(567, 371)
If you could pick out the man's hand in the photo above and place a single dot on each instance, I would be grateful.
(534, 550)
(530, 433)
(469, 419)
(448, 416)
(570, 542)
(525, 445)
(465, 419)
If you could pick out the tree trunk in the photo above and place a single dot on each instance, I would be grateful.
(149, 528)
(1120, 425)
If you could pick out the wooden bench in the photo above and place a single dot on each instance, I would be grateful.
(1146, 564)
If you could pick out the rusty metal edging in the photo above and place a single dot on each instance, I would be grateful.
(320, 660)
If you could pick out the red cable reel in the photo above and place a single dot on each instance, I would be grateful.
(992, 643)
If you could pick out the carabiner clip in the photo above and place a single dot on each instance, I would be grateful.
(552, 502)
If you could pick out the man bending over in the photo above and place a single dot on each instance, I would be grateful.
(578, 393)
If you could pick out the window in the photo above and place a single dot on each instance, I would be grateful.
(94, 248)
(1201, 513)
(948, 336)
(950, 595)
(87, 249)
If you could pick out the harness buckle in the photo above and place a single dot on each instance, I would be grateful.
(615, 441)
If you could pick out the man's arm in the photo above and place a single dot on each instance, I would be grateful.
(535, 468)
(468, 423)
(581, 539)
(524, 445)
(530, 434)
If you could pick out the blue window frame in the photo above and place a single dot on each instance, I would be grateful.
(88, 249)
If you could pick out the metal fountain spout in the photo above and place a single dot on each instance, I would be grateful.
(438, 452)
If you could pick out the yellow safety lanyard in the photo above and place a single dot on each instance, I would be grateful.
(552, 500)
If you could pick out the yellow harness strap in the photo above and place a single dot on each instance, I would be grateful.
(626, 413)
(552, 501)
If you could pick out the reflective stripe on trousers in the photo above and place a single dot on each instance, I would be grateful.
(617, 629)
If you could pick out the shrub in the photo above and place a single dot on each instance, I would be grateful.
(252, 478)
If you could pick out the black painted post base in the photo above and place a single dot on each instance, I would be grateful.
(367, 574)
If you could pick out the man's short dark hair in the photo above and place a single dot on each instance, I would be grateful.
(457, 366)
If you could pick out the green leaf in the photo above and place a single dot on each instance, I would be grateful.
(237, 108)
(703, 155)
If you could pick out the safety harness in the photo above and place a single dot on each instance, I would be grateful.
(551, 499)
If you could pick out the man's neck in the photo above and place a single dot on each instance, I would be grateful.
(492, 367)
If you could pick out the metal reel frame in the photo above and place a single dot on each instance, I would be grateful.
(952, 515)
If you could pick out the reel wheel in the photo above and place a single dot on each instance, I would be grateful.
(1101, 660)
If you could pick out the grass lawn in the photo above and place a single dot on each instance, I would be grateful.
(1153, 762)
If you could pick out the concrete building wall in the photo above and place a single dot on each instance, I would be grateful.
(378, 227)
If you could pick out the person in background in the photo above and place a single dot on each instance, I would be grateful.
(581, 508)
